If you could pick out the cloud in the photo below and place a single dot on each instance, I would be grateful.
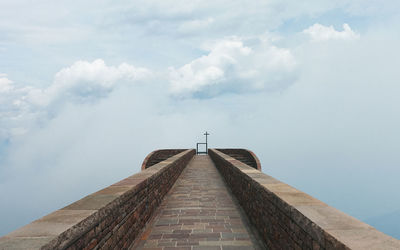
(82, 82)
(319, 32)
(13, 108)
(5, 83)
(86, 80)
(195, 25)
(93, 124)
(231, 66)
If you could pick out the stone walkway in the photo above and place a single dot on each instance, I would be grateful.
(199, 214)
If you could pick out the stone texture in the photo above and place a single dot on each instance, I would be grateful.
(111, 218)
(26, 243)
(287, 218)
(158, 156)
(199, 213)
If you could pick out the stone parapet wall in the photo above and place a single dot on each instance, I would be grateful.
(159, 155)
(287, 218)
(244, 155)
(111, 218)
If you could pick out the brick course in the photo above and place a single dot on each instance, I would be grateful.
(287, 218)
(199, 213)
(115, 217)
(111, 218)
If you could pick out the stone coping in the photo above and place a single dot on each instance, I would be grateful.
(321, 221)
(244, 153)
(167, 153)
(77, 218)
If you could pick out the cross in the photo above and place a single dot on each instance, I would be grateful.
(206, 134)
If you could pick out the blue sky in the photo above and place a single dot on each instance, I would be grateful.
(87, 89)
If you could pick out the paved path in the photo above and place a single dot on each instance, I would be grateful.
(199, 214)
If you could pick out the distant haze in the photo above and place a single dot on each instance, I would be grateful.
(88, 89)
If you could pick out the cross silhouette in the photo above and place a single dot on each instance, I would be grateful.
(202, 143)
(206, 134)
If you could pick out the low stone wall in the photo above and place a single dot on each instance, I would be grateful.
(244, 155)
(287, 218)
(111, 218)
(158, 156)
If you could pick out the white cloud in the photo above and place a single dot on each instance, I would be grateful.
(5, 83)
(319, 32)
(22, 107)
(86, 80)
(209, 69)
(13, 108)
(230, 66)
(331, 121)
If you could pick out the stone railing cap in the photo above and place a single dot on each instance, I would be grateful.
(332, 222)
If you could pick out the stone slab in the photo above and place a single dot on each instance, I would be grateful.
(365, 239)
(52, 224)
(92, 202)
(200, 213)
(26, 243)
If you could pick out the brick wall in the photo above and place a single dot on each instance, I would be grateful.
(287, 218)
(159, 155)
(111, 218)
(244, 155)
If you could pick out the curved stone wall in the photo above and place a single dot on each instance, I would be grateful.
(111, 218)
(158, 156)
(287, 218)
(114, 217)
(244, 155)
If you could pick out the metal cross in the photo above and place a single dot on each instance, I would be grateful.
(206, 134)
(202, 143)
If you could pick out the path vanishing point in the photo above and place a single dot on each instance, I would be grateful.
(181, 200)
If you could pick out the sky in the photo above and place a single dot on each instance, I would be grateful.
(89, 88)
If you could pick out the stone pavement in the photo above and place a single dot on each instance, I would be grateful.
(199, 213)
